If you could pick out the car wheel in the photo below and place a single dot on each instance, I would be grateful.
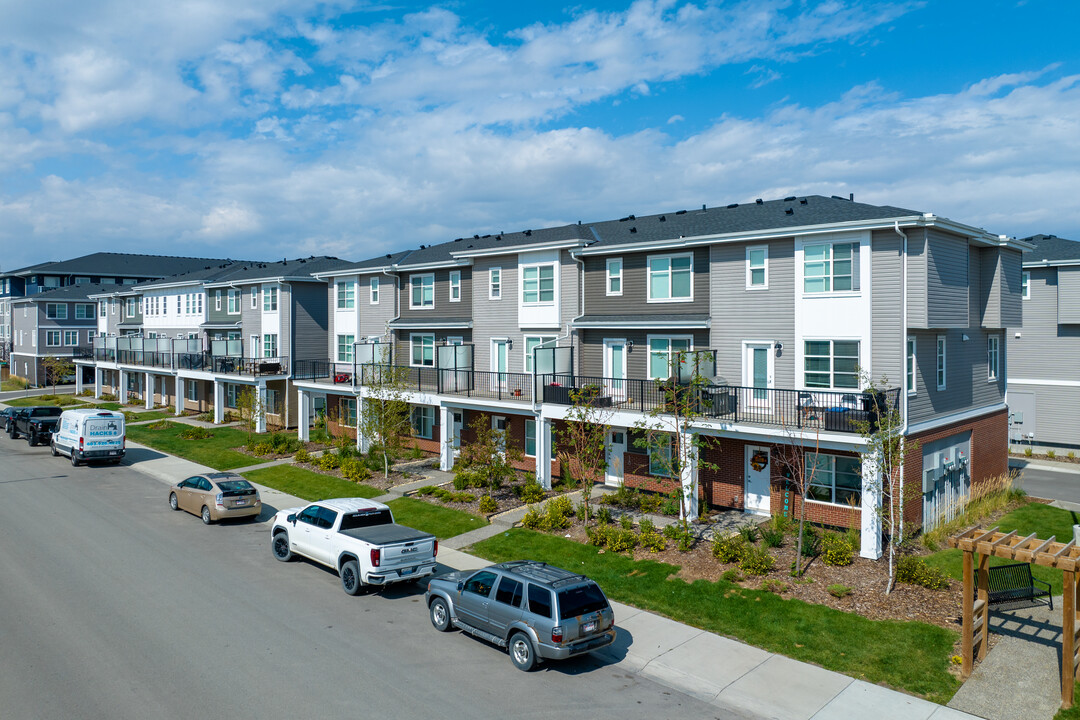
(521, 652)
(74, 458)
(14, 433)
(31, 439)
(350, 578)
(280, 546)
(52, 445)
(173, 502)
(440, 615)
(206, 515)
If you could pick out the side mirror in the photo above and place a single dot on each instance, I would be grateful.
(291, 518)
(460, 585)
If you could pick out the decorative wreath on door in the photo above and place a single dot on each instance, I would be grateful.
(759, 460)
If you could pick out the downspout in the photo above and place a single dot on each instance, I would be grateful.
(903, 364)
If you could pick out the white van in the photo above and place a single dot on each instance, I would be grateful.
(89, 434)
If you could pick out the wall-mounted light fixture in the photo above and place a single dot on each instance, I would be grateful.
(629, 346)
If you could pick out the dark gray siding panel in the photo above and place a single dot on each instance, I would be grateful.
(592, 349)
(494, 318)
(976, 287)
(947, 281)
(990, 286)
(888, 339)
(251, 321)
(916, 279)
(1011, 298)
(311, 321)
(403, 344)
(739, 314)
(635, 295)
(967, 386)
(443, 306)
(328, 298)
(285, 306)
(1068, 312)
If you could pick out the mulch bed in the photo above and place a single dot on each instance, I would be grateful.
(1058, 457)
(506, 497)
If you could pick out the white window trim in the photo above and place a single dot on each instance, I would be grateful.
(1025, 284)
(59, 338)
(349, 351)
(239, 295)
(343, 299)
(412, 345)
(912, 356)
(996, 342)
(423, 411)
(276, 348)
(422, 307)
(455, 284)
(254, 297)
(648, 277)
(270, 292)
(554, 284)
(832, 364)
(749, 283)
(609, 276)
(373, 291)
(525, 348)
(831, 292)
(525, 438)
(73, 333)
(828, 503)
(492, 285)
(455, 340)
(217, 300)
(941, 365)
(58, 307)
(669, 338)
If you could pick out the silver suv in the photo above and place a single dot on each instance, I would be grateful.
(537, 611)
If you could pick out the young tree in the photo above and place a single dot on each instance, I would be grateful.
(56, 368)
(668, 427)
(886, 450)
(250, 409)
(583, 441)
(799, 472)
(385, 413)
(488, 460)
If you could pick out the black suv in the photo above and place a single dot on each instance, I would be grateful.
(36, 423)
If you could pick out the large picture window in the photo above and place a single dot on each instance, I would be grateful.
(423, 350)
(835, 479)
(828, 267)
(423, 421)
(422, 291)
(671, 277)
(538, 284)
(831, 364)
(56, 311)
(662, 353)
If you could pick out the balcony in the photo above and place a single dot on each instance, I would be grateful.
(444, 381)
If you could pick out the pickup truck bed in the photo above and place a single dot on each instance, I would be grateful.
(387, 534)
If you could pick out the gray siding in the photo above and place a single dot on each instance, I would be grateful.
(1045, 350)
(967, 386)
(1068, 305)
(403, 344)
(976, 286)
(739, 314)
(634, 298)
(331, 336)
(373, 318)
(1012, 308)
(1049, 413)
(592, 349)
(495, 318)
(285, 306)
(443, 306)
(1000, 299)
(947, 281)
(251, 322)
(310, 321)
(888, 341)
(916, 279)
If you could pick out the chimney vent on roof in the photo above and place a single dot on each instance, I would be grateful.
(789, 199)
(680, 212)
(802, 201)
(851, 197)
(759, 201)
(663, 218)
(633, 229)
(388, 255)
(702, 207)
(475, 237)
(528, 233)
(488, 235)
(837, 197)
(733, 205)
(789, 211)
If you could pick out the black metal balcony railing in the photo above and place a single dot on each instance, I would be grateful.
(454, 381)
(226, 365)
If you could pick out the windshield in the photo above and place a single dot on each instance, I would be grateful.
(580, 600)
(365, 518)
(233, 485)
(47, 412)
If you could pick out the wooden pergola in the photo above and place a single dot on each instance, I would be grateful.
(1030, 549)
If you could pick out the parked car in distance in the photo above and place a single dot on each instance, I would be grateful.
(6, 416)
(535, 610)
(90, 434)
(216, 496)
(356, 537)
(36, 423)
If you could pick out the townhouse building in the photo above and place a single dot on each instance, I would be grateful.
(1044, 350)
(51, 323)
(788, 306)
(195, 340)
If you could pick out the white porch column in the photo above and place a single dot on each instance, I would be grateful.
(363, 442)
(303, 415)
(543, 452)
(98, 372)
(78, 379)
(179, 395)
(219, 402)
(121, 390)
(871, 518)
(446, 438)
(688, 471)
(149, 391)
(260, 399)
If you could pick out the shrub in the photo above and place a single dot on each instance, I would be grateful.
(771, 536)
(749, 533)
(774, 586)
(650, 503)
(426, 490)
(914, 571)
(110, 397)
(468, 477)
(732, 576)
(624, 497)
(670, 506)
(1071, 455)
(756, 560)
(836, 551)
(192, 432)
(159, 425)
(557, 513)
(646, 526)
(626, 522)
(653, 541)
(684, 540)
(328, 461)
(262, 448)
(729, 549)
(302, 456)
(531, 492)
(533, 519)
(811, 542)
(671, 532)
(603, 515)
(355, 470)
(620, 540)
(1028, 452)
(838, 590)
(1051, 454)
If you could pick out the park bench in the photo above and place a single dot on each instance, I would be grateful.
(1014, 584)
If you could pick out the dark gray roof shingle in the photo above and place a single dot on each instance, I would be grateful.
(1051, 248)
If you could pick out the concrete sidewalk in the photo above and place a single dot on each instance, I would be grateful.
(704, 665)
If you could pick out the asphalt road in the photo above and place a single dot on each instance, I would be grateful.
(1052, 484)
(113, 606)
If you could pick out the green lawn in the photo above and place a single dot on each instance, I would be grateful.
(911, 656)
(150, 415)
(57, 400)
(1031, 518)
(441, 522)
(309, 485)
(215, 451)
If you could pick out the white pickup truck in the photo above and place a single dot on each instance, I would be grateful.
(356, 537)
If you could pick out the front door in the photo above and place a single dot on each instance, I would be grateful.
(616, 446)
(757, 480)
(615, 368)
(758, 374)
(498, 364)
(456, 426)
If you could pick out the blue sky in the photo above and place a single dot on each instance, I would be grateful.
(271, 128)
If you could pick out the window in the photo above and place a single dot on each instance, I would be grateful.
(423, 350)
(757, 259)
(198, 303)
(614, 276)
(269, 298)
(234, 302)
(178, 301)
(941, 362)
(131, 305)
(509, 592)
(71, 337)
(539, 601)
(423, 421)
(538, 284)
(51, 281)
(272, 402)
(270, 345)
(56, 311)
(992, 357)
(481, 583)
(662, 353)
(1025, 285)
(90, 336)
(102, 311)
(671, 277)
(831, 364)
(911, 364)
(455, 286)
(84, 311)
(52, 338)
(230, 395)
(348, 407)
(495, 283)
(827, 267)
(82, 280)
(254, 297)
(346, 295)
(660, 459)
(217, 300)
(422, 294)
(345, 348)
(455, 340)
(192, 388)
(835, 479)
(531, 343)
(530, 438)
(374, 290)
